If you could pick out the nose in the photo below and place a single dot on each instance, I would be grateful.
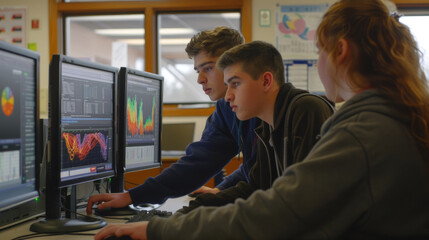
(229, 96)
(201, 78)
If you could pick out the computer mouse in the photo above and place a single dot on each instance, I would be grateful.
(113, 237)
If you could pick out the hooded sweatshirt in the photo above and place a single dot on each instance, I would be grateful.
(364, 179)
(296, 129)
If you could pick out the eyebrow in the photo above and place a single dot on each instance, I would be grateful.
(231, 78)
(202, 65)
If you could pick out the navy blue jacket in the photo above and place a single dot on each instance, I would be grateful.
(222, 139)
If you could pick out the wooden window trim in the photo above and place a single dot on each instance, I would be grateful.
(173, 110)
(57, 9)
(411, 3)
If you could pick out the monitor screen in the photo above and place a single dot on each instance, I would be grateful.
(19, 79)
(140, 97)
(82, 119)
(176, 137)
(85, 130)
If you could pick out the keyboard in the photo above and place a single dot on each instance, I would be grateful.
(147, 215)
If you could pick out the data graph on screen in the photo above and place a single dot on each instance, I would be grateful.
(9, 166)
(82, 148)
(140, 95)
(140, 115)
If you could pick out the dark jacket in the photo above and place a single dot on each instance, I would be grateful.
(203, 159)
(295, 140)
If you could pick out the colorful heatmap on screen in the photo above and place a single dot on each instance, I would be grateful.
(79, 149)
(135, 117)
(7, 101)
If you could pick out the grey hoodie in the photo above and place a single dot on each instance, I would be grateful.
(364, 179)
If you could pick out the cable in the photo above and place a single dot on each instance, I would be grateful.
(135, 184)
(37, 235)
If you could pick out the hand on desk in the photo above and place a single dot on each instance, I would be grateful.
(205, 189)
(105, 200)
(136, 231)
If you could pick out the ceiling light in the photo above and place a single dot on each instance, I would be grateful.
(176, 31)
(120, 31)
(133, 41)
(118, 17)
(231, 15)
(174, 41)
(140, 31)
(165, 41)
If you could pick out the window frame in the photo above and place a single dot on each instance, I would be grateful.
(59, 9)
(411, 3)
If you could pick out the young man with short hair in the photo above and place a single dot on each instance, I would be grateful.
(203, 158)
(254, 74)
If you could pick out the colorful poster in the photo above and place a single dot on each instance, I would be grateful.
(295, 30)
(13, 26)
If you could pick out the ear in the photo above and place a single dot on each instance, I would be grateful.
(268, 80)
(343, 51)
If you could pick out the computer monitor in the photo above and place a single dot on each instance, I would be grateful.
(176, 137)
(139, 118)
(140, 101)
(82, 120)
(19, 145)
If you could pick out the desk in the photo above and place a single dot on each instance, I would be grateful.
(22, 229)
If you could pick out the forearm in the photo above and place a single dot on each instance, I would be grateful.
(242, 190)
(179, 179)
(232, 179)
(242, 220)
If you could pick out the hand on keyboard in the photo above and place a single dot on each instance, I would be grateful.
(147, 215)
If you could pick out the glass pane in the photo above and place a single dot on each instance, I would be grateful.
(418, 27)
(96, 0)
(175, 31)
(116, 40)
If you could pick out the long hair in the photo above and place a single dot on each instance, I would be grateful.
(386, 57)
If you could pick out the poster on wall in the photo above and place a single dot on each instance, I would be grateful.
(296, 29)
(295, 33)
(12, 26)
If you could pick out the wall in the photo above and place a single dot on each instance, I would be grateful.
(267, 33)
(37, 9)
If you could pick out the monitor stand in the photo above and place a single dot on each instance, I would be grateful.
(115, 211)
(128, 210)
(146, 206)
(65, 225)
(71, 222)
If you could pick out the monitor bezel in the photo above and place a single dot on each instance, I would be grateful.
(30, 196)
(55, 91)
(122, 99)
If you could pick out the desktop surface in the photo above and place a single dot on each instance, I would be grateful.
(19, 230)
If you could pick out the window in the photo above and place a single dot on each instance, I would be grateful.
(151, 51)
(116, 40)
(418, 26)
(175, 31)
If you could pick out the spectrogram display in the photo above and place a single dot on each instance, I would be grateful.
(7, 101)
(84, 148)
(140, 118)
